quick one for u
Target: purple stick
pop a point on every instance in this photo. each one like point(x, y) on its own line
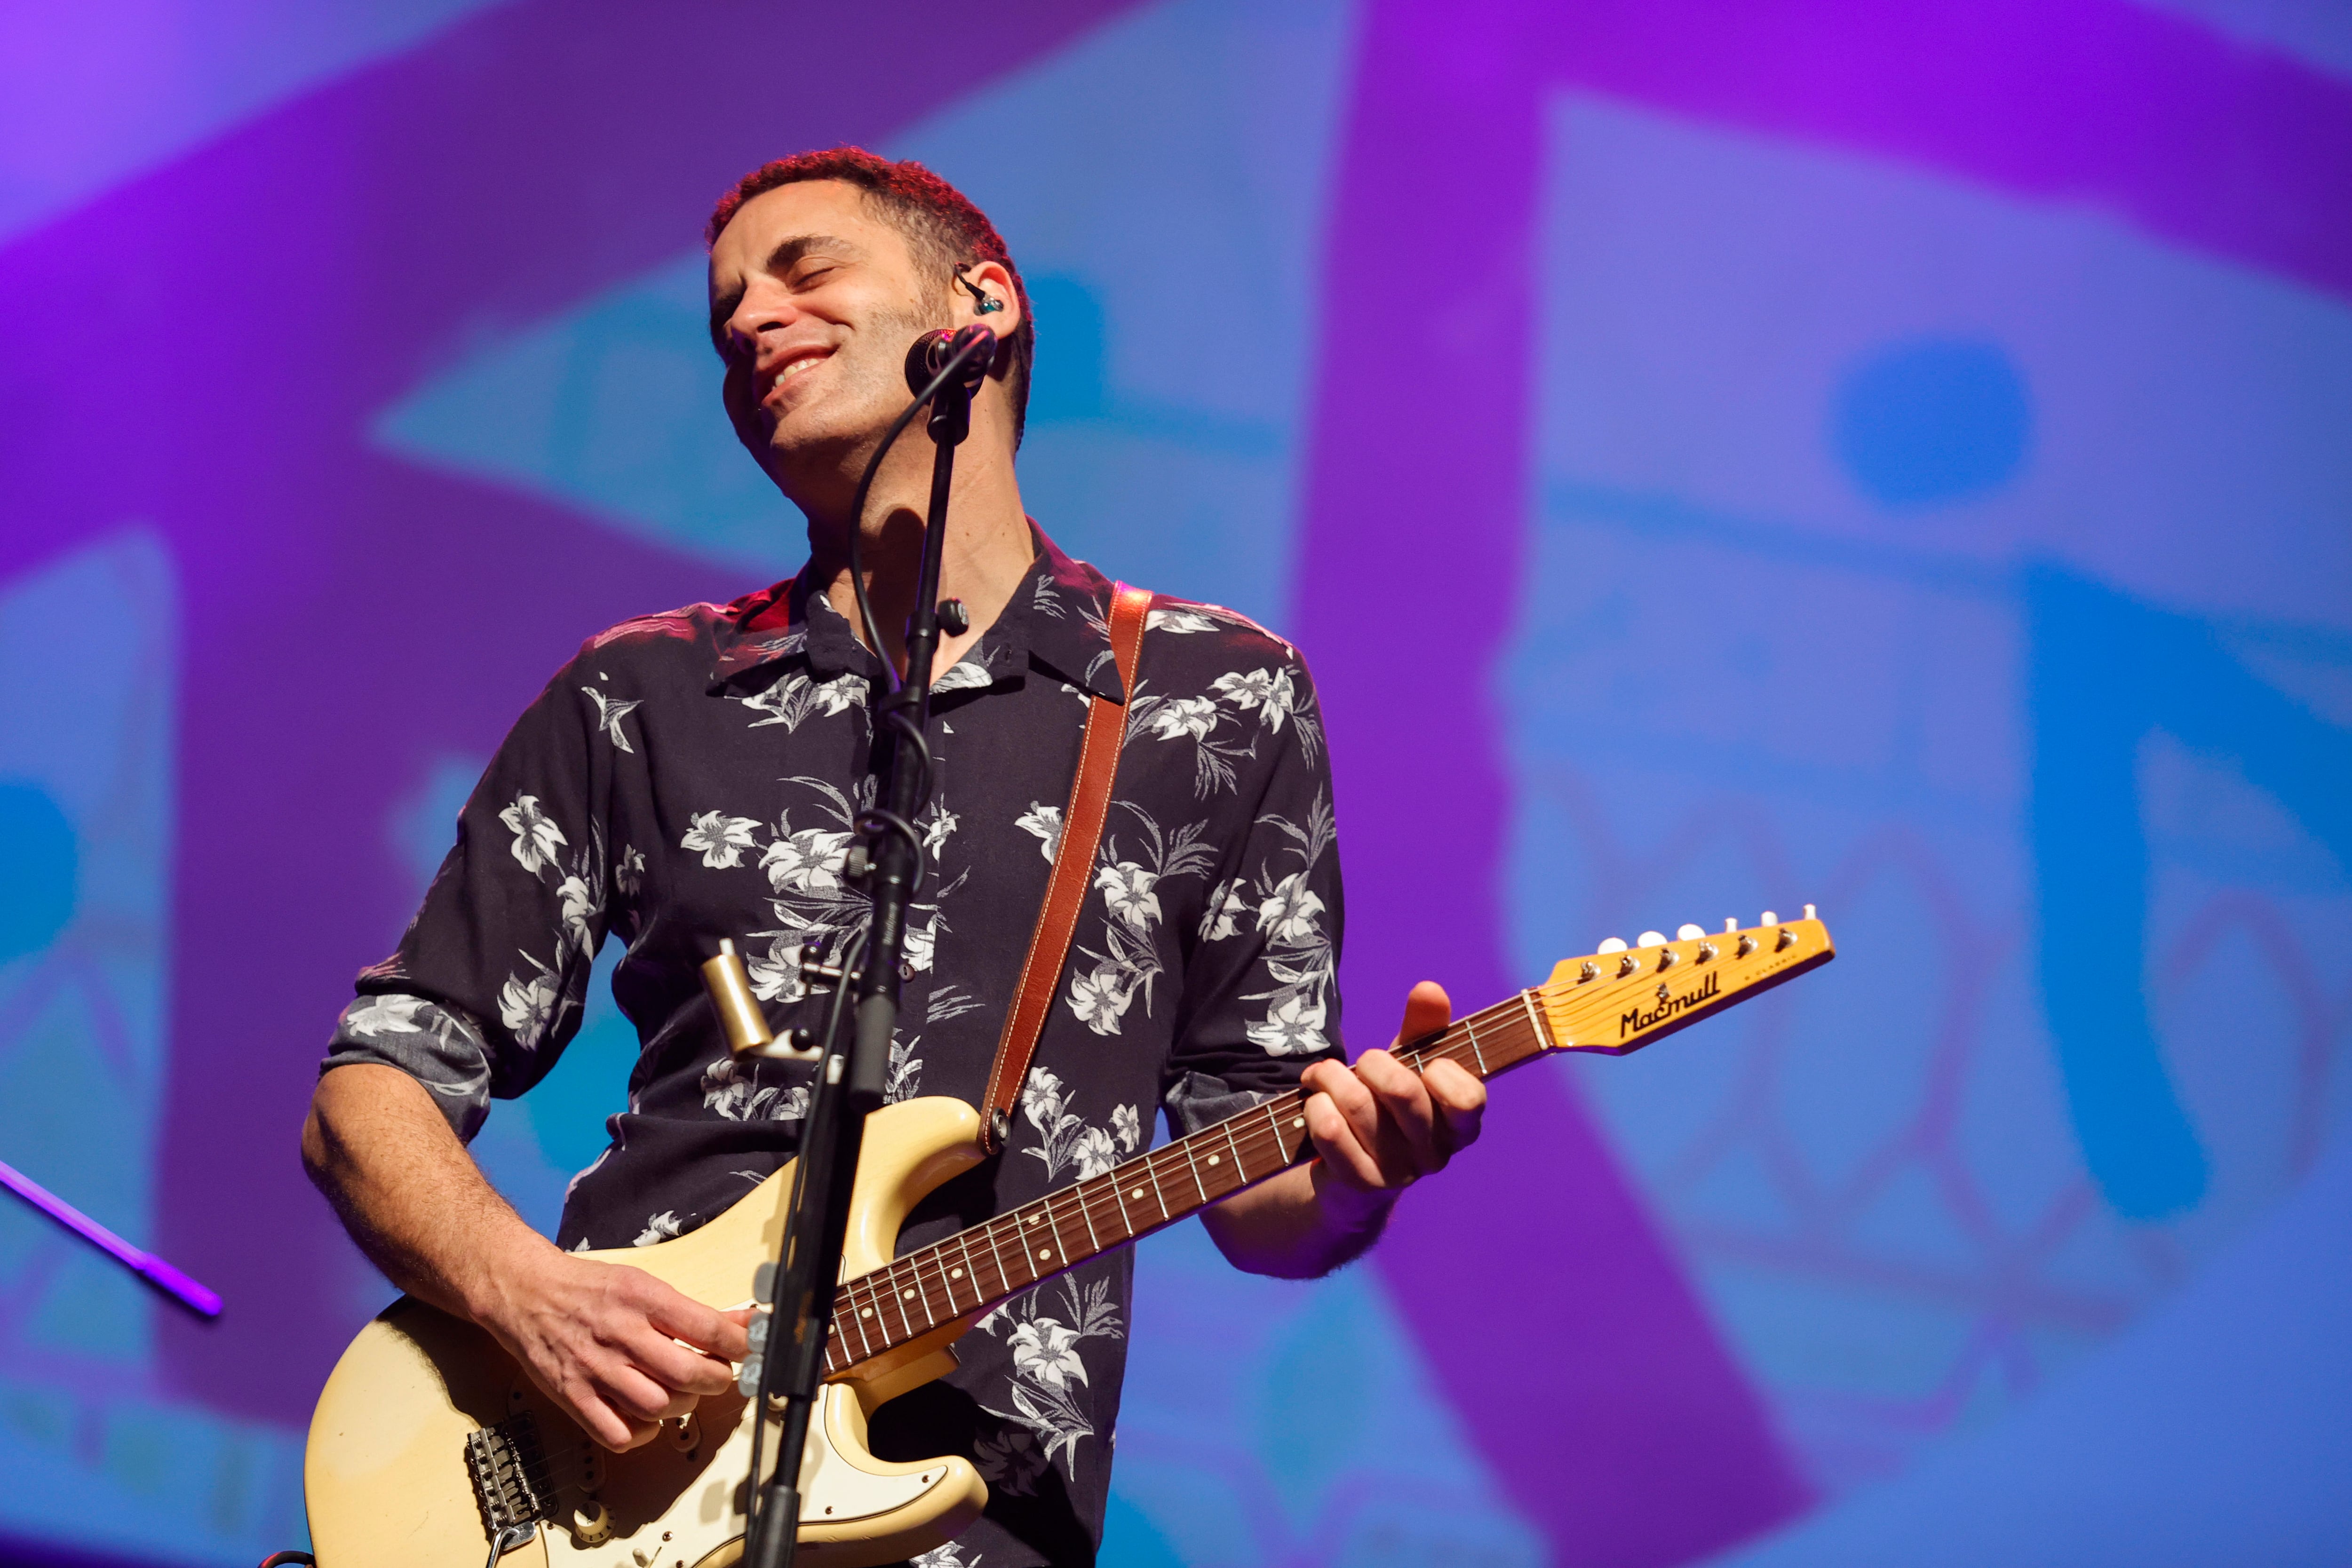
point(203, 1303)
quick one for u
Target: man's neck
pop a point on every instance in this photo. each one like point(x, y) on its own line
point(985, 554)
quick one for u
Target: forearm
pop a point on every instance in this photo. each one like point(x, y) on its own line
point(408, 1191)
point(1299, 1224)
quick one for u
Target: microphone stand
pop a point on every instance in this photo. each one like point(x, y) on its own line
point(851, 1083)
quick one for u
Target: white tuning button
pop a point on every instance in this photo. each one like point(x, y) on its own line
point(1729, 925)
point(591, 1525)
point(1689, 932)
point(1767, 919)
point(1615, 945)
point(1651, 939)
point(1809, 911)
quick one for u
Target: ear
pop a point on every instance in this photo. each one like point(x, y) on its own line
point(991, 278)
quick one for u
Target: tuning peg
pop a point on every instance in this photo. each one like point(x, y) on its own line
point(1686, 932)
point(1729, 925)
point(1809, 911)
point(1651, 939)
point(1615, 945)
point(1767, 919)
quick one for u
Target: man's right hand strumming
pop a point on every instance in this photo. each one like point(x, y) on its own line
point(618, 1348)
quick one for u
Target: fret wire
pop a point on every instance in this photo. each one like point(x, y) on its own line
point(1003, 1280)
point(939, 1264)
point(1016, 1228)
point(913, 1263)
point(970, 1270)
point(900, 1301)
point(1114, 1221)
point(1126, 1221)
point(1159, 1193)
point(1470, 1028)
point(1057, 1209)
point(1244, 1161)
point(1240, 1167)
point(865, 1342)
point(946, 1277)
point(906, 1276)
point(1194, 1165)
point(1297, 1111)
point(1094, 1240)
point(1052, 1226)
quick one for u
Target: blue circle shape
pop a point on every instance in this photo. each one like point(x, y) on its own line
point(38, 862)
point(1933, 420)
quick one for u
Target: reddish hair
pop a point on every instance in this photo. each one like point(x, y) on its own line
point(944, 233)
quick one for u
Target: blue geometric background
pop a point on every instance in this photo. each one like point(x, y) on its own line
point(1973, 558)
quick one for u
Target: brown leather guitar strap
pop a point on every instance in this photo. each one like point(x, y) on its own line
point(1066, 890)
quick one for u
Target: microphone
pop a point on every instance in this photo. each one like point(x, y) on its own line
point(932, 351)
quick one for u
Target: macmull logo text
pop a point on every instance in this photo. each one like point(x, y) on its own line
point(1641, 1019)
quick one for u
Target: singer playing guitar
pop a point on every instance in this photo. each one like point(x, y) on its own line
point(696, 773)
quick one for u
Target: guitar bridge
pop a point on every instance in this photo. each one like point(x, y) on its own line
point(509, 1475)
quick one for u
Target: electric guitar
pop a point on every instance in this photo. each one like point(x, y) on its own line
point(429, 1443)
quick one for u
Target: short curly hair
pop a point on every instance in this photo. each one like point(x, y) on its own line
point(943, 230)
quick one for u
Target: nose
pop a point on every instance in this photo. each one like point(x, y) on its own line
point(762, 309)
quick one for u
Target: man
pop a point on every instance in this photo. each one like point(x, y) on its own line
point(695, 775)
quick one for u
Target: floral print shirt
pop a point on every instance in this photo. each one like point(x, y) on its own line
point(697, 774)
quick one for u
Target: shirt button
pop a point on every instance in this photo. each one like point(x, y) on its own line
point(906, 970)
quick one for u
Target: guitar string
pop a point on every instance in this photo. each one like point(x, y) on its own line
point(1078, 1200)
point(1562, 1012)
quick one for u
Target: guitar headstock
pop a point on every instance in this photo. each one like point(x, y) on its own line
point(1621, 998)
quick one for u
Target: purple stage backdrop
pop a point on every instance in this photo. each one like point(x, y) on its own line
point(1714, 457)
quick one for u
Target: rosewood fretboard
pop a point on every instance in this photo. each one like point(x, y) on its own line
point(975, 1270)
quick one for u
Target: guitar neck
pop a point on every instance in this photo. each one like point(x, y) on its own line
point(1614, 1002)
point(977, 1268)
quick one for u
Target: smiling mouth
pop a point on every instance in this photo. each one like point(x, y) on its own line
point(793, 370)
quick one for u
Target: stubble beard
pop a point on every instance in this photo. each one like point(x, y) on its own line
point(831, 451)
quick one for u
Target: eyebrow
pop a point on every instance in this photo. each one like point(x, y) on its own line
point(781, 260)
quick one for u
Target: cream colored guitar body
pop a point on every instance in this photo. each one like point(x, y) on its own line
point(389, 1484)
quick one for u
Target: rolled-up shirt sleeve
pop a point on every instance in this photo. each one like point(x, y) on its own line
point(1261, 997)
point(487, 986)
point(437, 1046)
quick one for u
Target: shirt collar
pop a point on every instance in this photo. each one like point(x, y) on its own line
point(1064, 604)
point(1056, 617)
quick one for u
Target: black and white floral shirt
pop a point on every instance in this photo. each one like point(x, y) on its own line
point(695, 775)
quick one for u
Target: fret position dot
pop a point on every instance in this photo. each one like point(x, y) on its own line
point(1137, 1195)
point(1212, 1159)
point(1045, 1252)
point(865, 1312)
point(1298, 1122)
point(1034, 1218)
point(905, 1295)
point(955, 1273)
